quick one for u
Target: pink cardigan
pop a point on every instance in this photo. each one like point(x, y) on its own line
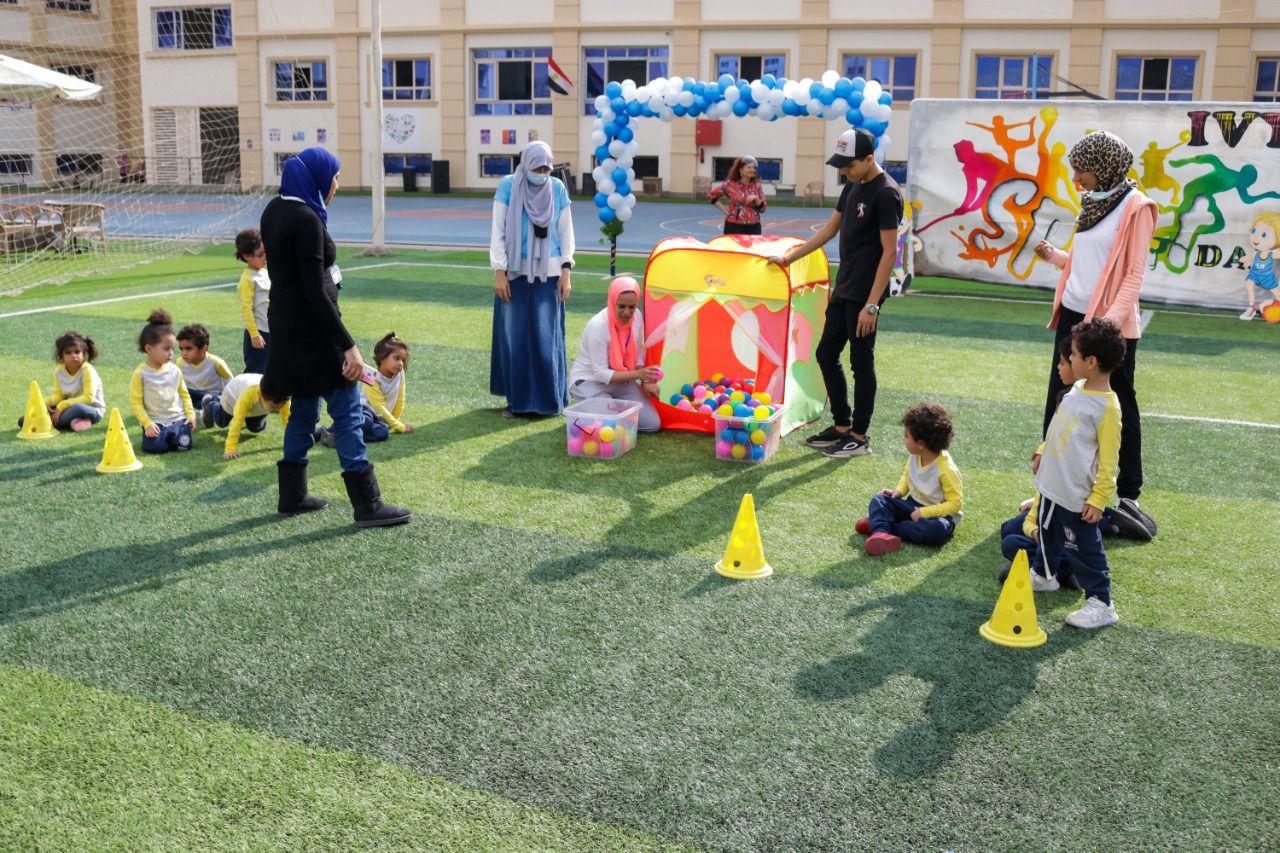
point(1116, 295)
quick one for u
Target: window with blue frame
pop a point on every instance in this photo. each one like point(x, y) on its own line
point(769, 170)
point(1266, 86)
point(16, 164)
point(511, 81)
point(280, 158)
point(302, 81)
point(496, 165)
point(1155, 78)
point(602, 65)
point(69, 5)
point(750, 66)
point(406, 79)
point(394, 164)
point(1013, 76)
point(895, 74)
point(78, 163)
point(192, 28)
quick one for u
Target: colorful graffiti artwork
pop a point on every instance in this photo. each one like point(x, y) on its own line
point(1000, 181)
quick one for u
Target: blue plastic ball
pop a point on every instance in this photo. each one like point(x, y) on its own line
point(741, 411)
point(613, 90)
point(757, 452)
point(686, 389)
point(676, 398)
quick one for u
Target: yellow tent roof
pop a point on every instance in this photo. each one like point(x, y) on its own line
point(726, 267)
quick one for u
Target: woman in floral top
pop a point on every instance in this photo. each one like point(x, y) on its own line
point(740, 198)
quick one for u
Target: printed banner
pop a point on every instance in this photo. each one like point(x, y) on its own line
point(990, 179)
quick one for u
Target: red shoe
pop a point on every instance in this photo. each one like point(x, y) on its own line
point(863, 526)
point(81, 424)
point(879, 544)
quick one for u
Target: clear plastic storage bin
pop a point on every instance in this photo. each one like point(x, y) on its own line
point(601, 428)
point(748, 439)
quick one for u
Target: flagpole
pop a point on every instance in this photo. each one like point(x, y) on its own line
point(377, 179)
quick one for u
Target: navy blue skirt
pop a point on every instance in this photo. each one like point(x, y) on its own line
point(529, 364)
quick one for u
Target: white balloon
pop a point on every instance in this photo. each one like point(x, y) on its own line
point(670, 98)
point(624, 215)
point(831, 114)
point(885, 141)
point(840, 106)
point(626, 160)
point(880, 155)
point(643, 95)
point(731, 95)
point(759, 92)
point(606, 186)
point(658, 85)
point(629, 200)
point(686, 99)
point(615, 200)
point(609, 165)
point(633, 148)
point(869, 107)
point(598, 174)
point(656, 103)
point(597, 138)
point(675, 85)
point(666, 114)
point(631, 175)
point(616, 147)
point(872, 91)
point(765, 111)
point(776, 97)
point(602, 103)
point(830, 78)
point(790, 88)
point(598, 123)
point(802, 96)
point(628, 89)
point(814, 108)
point(806, 83)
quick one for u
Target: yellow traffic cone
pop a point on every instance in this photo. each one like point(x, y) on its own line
point(36, 422)
point(1013, 622)
point(117, 452)
point(744, 557)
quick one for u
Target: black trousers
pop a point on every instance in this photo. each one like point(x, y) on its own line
point(1129, 478)
point(841, 328)
point(741, 227)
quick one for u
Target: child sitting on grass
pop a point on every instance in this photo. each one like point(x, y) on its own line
point(157, 391)
point(77, 402)
point(1076, 473)
point(254, 291)
point(203, 372)
point(384, 397)
point(925, 506)
point(242, 404)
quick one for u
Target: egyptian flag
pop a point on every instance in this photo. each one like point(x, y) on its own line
point(557, 79)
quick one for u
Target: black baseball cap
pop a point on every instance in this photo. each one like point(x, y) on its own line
point(853, 144)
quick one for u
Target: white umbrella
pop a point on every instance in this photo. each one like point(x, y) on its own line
point(20, 79)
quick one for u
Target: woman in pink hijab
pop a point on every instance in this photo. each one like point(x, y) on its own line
point(609, 355)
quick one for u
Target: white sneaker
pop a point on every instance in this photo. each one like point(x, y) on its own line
point(1249, 313)
point(1040, 583)
point(1094, 614)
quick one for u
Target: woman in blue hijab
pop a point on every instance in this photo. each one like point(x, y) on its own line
point(313, 357)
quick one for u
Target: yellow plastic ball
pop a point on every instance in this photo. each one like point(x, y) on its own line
point(726, 410)
point(759, 436)
point(606, 434)
point(763, 398)
point(762, 413)
point(739, 451)
point(716, 377)
point(590, 448)
point(737, 397)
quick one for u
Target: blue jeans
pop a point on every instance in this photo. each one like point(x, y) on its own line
point(74, 411)
point(344, 405)
point(222, 418)
point(1070, 545)
point(255, 360)
point(374, 428)
point(174, 436)
point(893, 515)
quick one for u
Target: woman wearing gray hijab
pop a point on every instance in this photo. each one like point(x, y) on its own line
point(531, 250)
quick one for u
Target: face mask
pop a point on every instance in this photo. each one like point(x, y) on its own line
point(535, 179)
point(1100, 195)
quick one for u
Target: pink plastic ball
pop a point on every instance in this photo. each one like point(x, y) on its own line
point(705, 409)
point(607, 450)
point(659, 370)
point(575, 445)
point(685, 406)
point(723, 449)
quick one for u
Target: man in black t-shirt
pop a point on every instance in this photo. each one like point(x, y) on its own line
point(866, 218)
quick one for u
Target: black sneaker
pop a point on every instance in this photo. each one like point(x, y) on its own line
point(206, 414)
point(826, 438)
point(1132, 522)
point(848, 446)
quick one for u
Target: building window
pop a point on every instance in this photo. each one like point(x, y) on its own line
point(69, 5)
point(605, 64)
point(1155, 78)
point(394, 164)
point(751, 66)
point(497, 165)
point(193, 28)
point(895, 74)
point(302, 81)
point(16, 164)
point(78, 163)
point(84, 72)
point(1023, 76)
point(770, 171)
point(512, 81)
point(280, 158)
point(406, 79)
point(1266, 86)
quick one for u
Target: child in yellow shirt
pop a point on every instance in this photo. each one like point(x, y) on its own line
point(77, 402)
point(384, 397)
point(204, 372)
point(254, 291)
point(157, 391)
point(243, 404)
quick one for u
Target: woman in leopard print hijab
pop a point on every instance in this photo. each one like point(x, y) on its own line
point(1107, 157)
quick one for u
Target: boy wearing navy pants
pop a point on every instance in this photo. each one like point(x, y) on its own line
point(1076, 475)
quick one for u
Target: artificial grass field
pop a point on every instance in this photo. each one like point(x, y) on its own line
point(544, 657)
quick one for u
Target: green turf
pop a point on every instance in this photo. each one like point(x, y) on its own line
point(548, 631)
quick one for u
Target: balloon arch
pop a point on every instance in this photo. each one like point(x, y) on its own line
point(859, 102)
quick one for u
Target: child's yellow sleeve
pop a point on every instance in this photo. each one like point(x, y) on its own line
point(246, 402)
point(188, 409)
point(87, 390)
point(1032, 521)
point(952, 490)
point(1104, 487)
point(904, 485)
point(135, 399)
point(378, 402)
point(221, 366)
point(285, 411)
point(398, 409)
point(55, 398)
point(245, 290)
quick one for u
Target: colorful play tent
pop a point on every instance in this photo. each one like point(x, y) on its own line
point(723, 307)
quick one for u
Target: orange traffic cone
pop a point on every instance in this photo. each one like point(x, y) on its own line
point(744, 556)
point(117, 452)
point(36, 422)
point(1013, 622)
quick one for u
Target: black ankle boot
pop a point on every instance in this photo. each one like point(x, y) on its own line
point(294, 499)
point(366, 500)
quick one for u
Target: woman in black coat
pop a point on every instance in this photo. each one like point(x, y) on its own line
point(312, 354)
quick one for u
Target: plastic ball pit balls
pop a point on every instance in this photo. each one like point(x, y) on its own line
point(759, 436)
point(737, 397)
point(757, 453)
point(590, 448)
point(575, 445)
point(684, 405)
point(607, 434)
point(723, 448)
point(606, 450)
point(762, 413)
point(675, 399)
point(659, 371)
point(686, 390)
point(705, 409)
point(763, 398)
point(738, 451)
point(741, 411)
point(574, 431)
point(726, 410)
point(716, 377)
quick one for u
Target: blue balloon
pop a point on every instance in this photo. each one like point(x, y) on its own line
point(621, 120)
point(610, 130)
point(886, 99)
point(769, 80)
point(700, 103)
point(827, 97)
point(606, 214)
point(694, 110)
point(726, 80)
point(613, 90)
point(699, 89)
point(624, 188)
point(602, 154)
point(713, 93)
point(688, 84)
point(741, 108)
point(626, 134)
point(859, 83)
point(619, 175)
point(876, 128)
point(790, 107)
point(634, 108)
point(844, 88)
point(601, 200)
point(854, 117)
point(815, 89)
point(680, 110)
point(618, 105)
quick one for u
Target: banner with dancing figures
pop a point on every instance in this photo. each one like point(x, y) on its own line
point(989, 180)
